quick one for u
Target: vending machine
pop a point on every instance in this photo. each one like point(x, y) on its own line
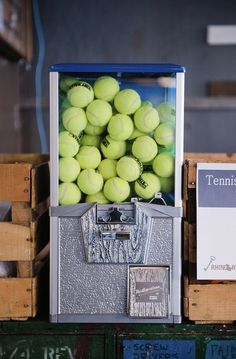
point(116, 172)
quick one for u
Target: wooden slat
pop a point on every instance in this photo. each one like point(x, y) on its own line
point(212, 302)
point(23, 213)
point(25, 269)
point(40, 184)
point(35, 296)
point(15, 182)
point(16, 297)
point(24, 177)
point(30, 158)
point(15, 242)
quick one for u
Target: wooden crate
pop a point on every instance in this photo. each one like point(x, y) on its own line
point(24, 181)
point(204, 301)
point(189, 178)
point(19, 297)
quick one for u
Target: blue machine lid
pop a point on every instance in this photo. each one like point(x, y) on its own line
point(145, 68)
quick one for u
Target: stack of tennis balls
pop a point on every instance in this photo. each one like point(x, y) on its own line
point(112, 146)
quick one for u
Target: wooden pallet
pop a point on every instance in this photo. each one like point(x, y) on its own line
point(24, 181)
point(204, 301)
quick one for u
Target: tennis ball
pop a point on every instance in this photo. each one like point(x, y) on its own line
point(90, 181)
point(120, 127)
point(67, 82)
point(88, 157)
point(68, 144)
point(107, 168)
point(164, 134)
point(127, 101)
point(74, 120)
point(105, 88)
point(167, 184)
point(163, 164)
point(116, 189)
point(129, 168)
point(146, 119)
point(166, 112)
point(146, 103)
point(113, 149)
point(136, 133)
point(69, 193)
point(147, 185)
point(64, 104)
point(88, 140)
point(144, 148)
point(99, 112)
point(69, 169)
point(97, 197)
point(80, 94)
point(94, 130)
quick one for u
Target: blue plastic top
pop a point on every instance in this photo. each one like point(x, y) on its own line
point(144, 68)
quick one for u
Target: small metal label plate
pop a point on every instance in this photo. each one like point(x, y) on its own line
point(158, 349)
point(149, 291)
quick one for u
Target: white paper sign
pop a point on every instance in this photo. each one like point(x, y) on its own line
point(216, 221)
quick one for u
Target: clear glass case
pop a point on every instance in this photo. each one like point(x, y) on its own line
point(117, 133)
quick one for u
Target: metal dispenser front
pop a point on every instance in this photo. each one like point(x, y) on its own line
point(118, 262)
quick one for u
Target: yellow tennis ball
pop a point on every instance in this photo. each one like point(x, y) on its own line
point(146, 119)
point(99, 112)
point(105, 88)
point(74, 120)
point(113, 149)
point(67, 82)
point(164, 134)
point(116, 189)
point(69, 169)
point(80, 94)
point(167, 184)
point(144, 148)
point(166, 112)
point(98, 197)
point(147, 185)
point(69, 193)
point(127, 101)
point(136, 133)
point(88, 157)
point(94, 130)
point(87, 140)
point(120, 127)
point(163, 164)
point(107, 168)
point(129, 168)
point(68, 144)
point(90, 181)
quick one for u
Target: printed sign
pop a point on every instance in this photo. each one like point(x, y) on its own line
point(221, 349)
point(158, 349)
point(216, 224)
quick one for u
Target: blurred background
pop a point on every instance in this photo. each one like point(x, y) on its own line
point(37, 34)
